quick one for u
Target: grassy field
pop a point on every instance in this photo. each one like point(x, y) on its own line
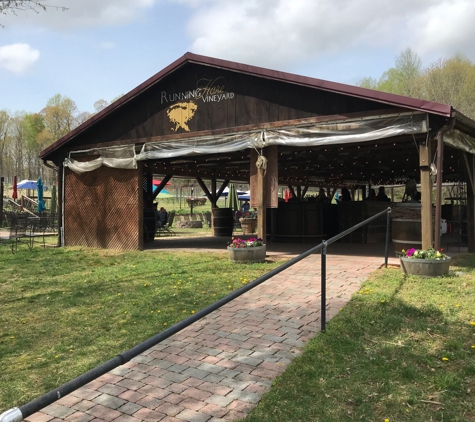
point(403, 349)
point(65, 311)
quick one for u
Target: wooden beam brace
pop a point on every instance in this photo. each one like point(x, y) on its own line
point(208, 194)
point(291, 189)
point(162, 184)
point(221, 189)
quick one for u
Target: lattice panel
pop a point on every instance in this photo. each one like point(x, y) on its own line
point(102, 209)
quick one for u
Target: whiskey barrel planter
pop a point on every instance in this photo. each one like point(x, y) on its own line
point(223, 222)
point(247, 255)
point(248, 225)
point(425, 267)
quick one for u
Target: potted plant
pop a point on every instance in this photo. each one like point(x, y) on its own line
point(427, 263)
point(248, 222)
point(247, 250)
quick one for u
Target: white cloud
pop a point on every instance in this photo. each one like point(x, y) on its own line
point(445, 28)
point(281, 33)
point(17, 58)
point(83, 13)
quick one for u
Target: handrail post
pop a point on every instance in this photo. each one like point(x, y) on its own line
point(386, 247)
point(323, 288)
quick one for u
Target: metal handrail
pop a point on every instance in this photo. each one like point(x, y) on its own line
point(18, 414)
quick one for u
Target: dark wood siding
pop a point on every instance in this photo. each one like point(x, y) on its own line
point(251, 100)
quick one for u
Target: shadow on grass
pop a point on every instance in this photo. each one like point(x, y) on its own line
point(388, 354)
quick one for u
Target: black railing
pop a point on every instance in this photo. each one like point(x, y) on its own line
point(18, 414)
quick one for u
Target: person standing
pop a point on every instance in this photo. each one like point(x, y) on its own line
point(381, 196)
point(162, 217)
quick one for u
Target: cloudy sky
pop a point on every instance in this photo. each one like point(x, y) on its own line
point(99, 49)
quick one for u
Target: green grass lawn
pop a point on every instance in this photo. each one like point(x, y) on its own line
point(67, 310)
point(403, 349)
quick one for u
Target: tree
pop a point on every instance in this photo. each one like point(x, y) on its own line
point(403, 79)
point(13, 6)
point(18, 149)
point(4, 137)
point(60, 117)
point(100, 105)
point(448, 81)
point(408, 72)
point(33, 125)
point(452, 81)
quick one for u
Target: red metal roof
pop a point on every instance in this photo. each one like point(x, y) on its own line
point(364, 93)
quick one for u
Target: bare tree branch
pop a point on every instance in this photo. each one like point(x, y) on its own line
point(13, 6)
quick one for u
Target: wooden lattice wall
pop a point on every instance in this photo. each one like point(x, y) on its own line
point(102, 209)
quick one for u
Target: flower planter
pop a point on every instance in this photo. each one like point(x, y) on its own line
point(425, 267)
point(248, 225)
point(243, 255)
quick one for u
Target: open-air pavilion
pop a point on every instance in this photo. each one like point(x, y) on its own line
point(218, 121)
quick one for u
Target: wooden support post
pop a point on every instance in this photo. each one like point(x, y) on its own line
point(261, 204)
point(470, 172)
point(426, 195)
point(440, 178)
point(213, 202)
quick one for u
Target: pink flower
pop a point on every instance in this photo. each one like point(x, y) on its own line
point(410, 252)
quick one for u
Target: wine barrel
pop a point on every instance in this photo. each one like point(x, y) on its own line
point(406, 234)
point(223, 221)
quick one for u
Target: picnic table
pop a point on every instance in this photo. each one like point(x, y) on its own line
point(27, 230)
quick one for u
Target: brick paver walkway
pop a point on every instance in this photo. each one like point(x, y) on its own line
point(218, 368)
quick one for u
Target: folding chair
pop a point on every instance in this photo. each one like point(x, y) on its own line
point(207, 216)
point(167, 227)
point(166, 230)
point(17, 231)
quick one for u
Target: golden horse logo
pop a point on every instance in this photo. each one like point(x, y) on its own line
point(180, 114)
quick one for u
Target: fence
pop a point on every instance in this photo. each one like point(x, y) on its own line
point(18, 414)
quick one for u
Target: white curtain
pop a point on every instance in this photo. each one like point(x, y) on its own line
point(117, 157)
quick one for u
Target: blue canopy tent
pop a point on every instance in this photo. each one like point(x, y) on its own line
point(225, 192)
point(27, 184)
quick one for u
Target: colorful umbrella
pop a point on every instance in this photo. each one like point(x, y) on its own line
point(156, 182)
point(41, 202)
point(162, 191)
point(53, 200)
point(233, 197)
point(15, 188)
